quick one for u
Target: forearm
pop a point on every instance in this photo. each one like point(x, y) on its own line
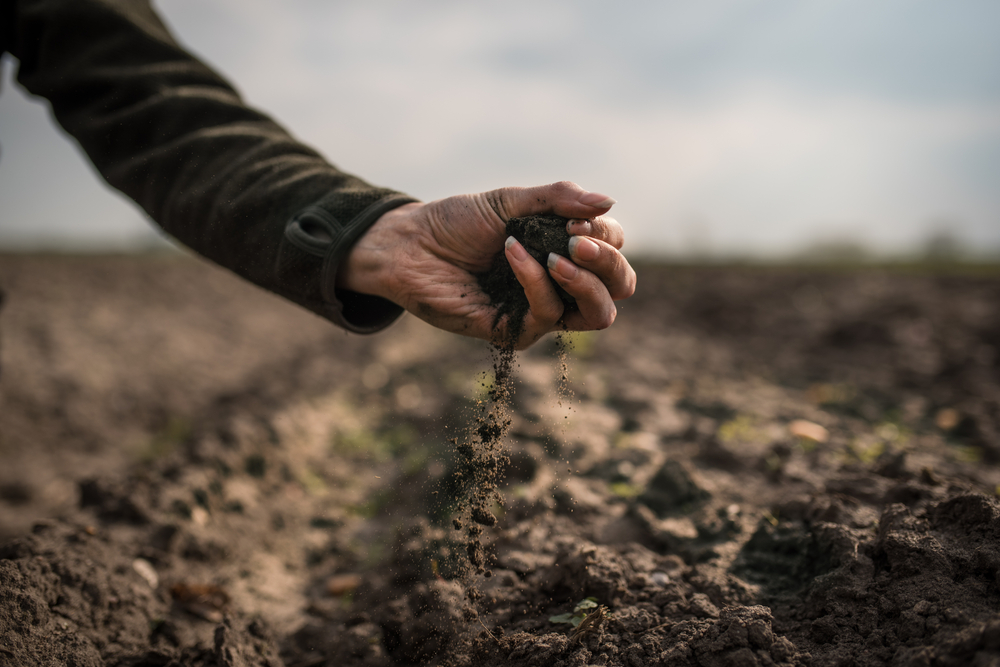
point(173, 135)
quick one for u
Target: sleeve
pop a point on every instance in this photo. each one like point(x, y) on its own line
point(173, 135)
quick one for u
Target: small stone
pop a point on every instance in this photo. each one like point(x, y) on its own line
point(947, 418)
point(342, 584)
point(199, 516)
point(808, 430)
point(146, 570)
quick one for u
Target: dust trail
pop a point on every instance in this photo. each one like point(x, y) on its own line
point(483, 455)
point(564, 392)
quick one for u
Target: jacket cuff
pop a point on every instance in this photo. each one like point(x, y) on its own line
point(318, 233)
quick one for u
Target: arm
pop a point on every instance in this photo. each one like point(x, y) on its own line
point(230, 183)
point(174, 136)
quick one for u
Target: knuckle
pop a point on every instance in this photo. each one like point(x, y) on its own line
point(627, 288)
point(611, 232)
point(616, 269)
point(527, 339)
point(563, 187)
point(549, 313)
point(494, 199)
point(614, 236)
point(499, 200)
point(607, 319)
point(597, 229)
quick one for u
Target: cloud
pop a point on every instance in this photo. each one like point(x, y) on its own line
point(759, 125)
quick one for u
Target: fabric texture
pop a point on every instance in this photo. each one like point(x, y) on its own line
point(217, 175)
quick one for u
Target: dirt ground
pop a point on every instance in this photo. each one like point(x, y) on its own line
point(753, 466)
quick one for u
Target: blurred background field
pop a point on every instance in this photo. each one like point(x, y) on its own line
point(843, 131)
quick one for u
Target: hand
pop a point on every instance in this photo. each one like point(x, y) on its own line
point(424, 257)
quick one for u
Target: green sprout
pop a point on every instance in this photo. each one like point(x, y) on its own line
point(626, 490)
point(742, 429)
point(580, 612)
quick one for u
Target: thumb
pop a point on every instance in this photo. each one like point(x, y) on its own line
point(563, 198)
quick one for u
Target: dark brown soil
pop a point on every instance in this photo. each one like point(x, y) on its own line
point(196, 473)
point(540, 235)
point(481, 458)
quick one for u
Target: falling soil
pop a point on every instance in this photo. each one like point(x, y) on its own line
point(481, 459)
point(230, 501)
point(482, 456)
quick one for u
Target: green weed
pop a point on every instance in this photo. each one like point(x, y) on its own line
point(166, 440)
point(741, 429)
point(626, 490)
point(580, 611)
point(364, 444)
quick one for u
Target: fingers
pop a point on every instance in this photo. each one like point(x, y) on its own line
point(602, 227)
point(596, 307)
point(604, 261)
point(598, 276)
point(544, 305)
point(563, 198)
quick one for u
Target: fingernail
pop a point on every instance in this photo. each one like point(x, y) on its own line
point(581, 227)
point(564, 268)
point(516, 249)
point(597, 200)
point(583, 248)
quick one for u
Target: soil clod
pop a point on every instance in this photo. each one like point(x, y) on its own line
point(540, 235)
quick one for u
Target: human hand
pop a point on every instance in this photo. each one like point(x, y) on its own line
point(425, 258)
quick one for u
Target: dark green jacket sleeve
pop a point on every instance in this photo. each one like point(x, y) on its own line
point(174, 136)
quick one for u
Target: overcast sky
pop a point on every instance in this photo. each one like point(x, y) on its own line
point(741, 126)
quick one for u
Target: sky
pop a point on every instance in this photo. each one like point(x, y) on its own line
point(734, 128)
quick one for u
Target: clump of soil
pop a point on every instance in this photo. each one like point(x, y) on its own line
point(540, 235)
